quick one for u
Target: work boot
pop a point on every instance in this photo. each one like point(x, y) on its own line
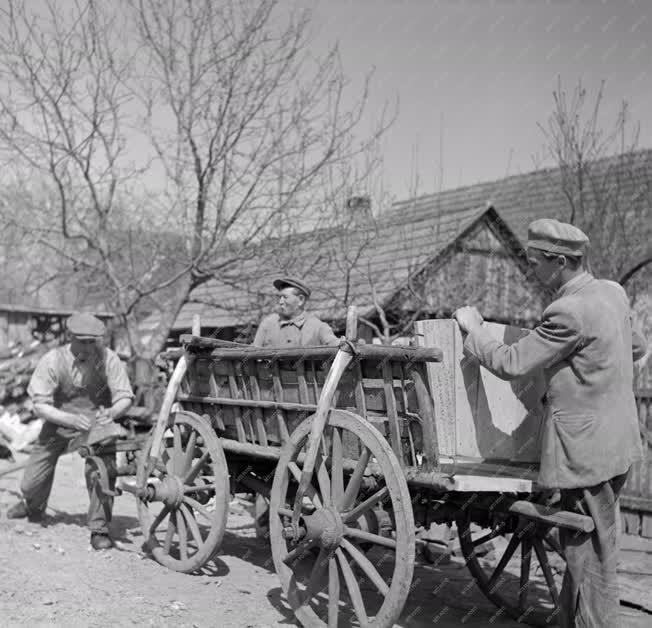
point(19, 511)
point(101, 541)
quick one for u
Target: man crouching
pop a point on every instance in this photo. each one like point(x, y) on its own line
point(83, 368)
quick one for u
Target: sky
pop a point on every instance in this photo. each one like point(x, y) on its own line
point(474, 78)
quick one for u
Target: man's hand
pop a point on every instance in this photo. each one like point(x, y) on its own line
point(79, 422)
point(468, 318)
point(103, 417)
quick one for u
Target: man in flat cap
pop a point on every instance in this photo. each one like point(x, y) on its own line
point(585, 347)
point(292, 326)
point(82, 369)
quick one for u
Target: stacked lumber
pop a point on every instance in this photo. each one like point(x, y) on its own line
point(19, 427)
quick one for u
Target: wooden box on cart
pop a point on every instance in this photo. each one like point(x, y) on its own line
point(478, 415)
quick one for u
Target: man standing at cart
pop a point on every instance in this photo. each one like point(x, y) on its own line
point(292, 326)
point(586, 347)
point(84, 368)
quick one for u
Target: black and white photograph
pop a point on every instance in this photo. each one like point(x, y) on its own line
point(325, 313)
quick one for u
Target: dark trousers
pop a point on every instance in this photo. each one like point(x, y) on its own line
point(37, 481)
point(590, 596)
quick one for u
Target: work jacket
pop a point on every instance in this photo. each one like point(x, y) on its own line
point(585, 347)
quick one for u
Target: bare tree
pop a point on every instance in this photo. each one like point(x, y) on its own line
point(190, 130)
point(605, 179)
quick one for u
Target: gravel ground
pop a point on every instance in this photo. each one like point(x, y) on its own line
point(51, 577)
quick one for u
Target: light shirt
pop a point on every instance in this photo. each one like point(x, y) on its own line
point(305, 330)
point(59, 377)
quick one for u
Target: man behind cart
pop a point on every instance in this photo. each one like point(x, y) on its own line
point(586, 348)
point(292, 325)
point(64, 377)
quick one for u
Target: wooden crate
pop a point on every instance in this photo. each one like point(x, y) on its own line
point(478, 415)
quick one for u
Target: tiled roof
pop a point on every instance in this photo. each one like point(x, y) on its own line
point(404, 238)
point(343, 267)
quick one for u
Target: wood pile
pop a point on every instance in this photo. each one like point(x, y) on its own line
point(19, 427)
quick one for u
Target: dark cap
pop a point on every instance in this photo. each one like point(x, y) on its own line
point(85, 325)
point(553, 236)
point(285, 282)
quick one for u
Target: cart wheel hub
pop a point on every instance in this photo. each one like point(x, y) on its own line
point(325, 527)
point(169, 491)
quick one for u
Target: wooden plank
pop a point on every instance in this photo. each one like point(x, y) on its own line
point(252, 372)
point(247, 413)
point(235, 394)
point(442, 381)
point(301, 380)
point(631, 523)
point(251, 403)
point(277, 388)
point(418, 375)
point(646, 525)
point(478, 414)
point(216, 410)
point(360, 400)
point(392, 413)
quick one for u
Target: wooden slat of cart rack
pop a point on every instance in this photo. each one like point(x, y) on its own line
point(235, 394)
point(252, 372)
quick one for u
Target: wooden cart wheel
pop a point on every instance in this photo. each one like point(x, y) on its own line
point(183, 516)
point(340, 584)
point(523, 577)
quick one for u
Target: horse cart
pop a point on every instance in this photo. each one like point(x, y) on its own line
point(342, 442)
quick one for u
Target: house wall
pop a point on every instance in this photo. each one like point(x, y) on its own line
point(478, 270)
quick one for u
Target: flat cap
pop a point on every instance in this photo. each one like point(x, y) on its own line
point(83, 325)
point(285, 282)
point(548, 234)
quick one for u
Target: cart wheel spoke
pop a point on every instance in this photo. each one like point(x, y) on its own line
point(299, 552)
point(311, 494)
point(169, 534)
point(366, 565)
point(526, 559)
point(315, 584)
point(177, 451)
point(204, 512)
point(355, 482)
point(487, 537)
point(183, 536)
point(190, 452)
point(191, 522)
point(333, 592)
point(196, 468)
point(159, 519)
point(368, 537)
point(323, 480)
point(352, 586)
point(509, 552)
point(199, 488)
point(547, 572)
point(366, 505)
point(337, 473)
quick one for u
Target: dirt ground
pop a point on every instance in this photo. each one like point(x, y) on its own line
point(50, 576)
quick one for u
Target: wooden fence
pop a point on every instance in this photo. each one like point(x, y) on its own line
point(636, 500)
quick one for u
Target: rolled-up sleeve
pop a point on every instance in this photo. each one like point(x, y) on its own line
point(549, 343)
point(117, 379)
point(44, 381)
